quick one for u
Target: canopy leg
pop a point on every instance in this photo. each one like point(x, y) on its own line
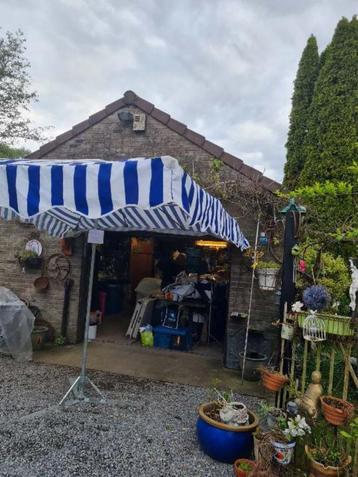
point(250, 301)
point(78, 386)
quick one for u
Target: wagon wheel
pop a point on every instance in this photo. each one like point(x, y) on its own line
point(58, 267)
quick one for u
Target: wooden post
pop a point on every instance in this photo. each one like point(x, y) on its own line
point(347, 354)
point(351, 370)
point(331, 370)
point(304, 370)
point(293, 362)
point(318, 357)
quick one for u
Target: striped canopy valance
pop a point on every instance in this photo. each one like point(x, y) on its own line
point(64, 197)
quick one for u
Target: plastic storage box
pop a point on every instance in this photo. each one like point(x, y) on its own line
point(170, 338)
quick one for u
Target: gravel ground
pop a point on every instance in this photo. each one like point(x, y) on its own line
point(145, 429)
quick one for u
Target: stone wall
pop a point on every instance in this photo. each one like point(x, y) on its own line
point(110, 140)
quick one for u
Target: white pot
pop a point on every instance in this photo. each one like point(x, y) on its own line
point(234, 413)
point(267, 278)
point(92, 332)
point(283, 451)
point(287, 332)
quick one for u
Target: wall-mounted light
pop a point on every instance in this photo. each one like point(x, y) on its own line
point(211, 244)
point(125, 116)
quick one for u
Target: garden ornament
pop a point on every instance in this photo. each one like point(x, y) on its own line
point(315, 298)
point(297, 306)
point(234, 413)
point(314, 328)
point(309, 403)
point(353, 289)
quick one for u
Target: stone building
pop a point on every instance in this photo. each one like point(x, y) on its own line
point(109, 134)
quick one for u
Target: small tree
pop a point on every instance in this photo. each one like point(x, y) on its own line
point(11, 152)
point(331, 143)
point(15, 93)
point(301, 101)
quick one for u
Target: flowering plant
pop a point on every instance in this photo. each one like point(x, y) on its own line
point(293, 427)
point(297, 306)
point(316, 297)
point(296, 427)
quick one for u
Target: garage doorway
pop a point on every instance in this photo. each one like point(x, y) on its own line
point(131, 267)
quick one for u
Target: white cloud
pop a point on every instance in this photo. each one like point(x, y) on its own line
point(224, 67)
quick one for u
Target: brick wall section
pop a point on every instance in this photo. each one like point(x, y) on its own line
point(50, 302)
point(110, 140)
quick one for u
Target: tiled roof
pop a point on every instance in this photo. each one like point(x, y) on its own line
point(130, 98)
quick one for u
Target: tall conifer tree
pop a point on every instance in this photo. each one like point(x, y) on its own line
point(331, 143)
point(301, 100)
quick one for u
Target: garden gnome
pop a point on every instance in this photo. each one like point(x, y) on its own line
point(310, 400)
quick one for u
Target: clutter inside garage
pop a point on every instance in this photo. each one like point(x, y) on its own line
point(163, 291)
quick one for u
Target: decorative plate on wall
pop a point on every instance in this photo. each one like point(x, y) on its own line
point(34, 246)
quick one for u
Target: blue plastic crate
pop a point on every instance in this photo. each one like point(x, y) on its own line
point(171, 338)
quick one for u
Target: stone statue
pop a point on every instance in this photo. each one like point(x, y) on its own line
point(310, 400)
point(354, 285)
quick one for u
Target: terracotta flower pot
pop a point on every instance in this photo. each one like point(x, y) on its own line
point(273, 381)
point(336, 411)
point(243, 473)
point(319, 470)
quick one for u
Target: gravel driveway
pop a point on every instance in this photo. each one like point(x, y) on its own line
point(146, 428)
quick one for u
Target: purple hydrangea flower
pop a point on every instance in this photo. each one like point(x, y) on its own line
point(316, 297)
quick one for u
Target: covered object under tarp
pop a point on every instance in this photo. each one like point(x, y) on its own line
point(16, 324)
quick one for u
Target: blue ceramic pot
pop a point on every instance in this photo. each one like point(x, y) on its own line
point(224, 442)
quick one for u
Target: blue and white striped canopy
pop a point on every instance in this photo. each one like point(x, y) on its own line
point(64, 197)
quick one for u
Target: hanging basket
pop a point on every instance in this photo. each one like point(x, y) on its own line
point(267, 278)
point(314, 328)
point(272, 380)
point(336, 411)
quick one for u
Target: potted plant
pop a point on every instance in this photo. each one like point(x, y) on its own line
point(267, 273)
point(336, 411)
point(288, 329)
point(269, 414)
point(273, 380)
point(326, 451)
point(222, 441)
point(29, 260)
point(284, 435)
point(244, 467)
point(327, 461)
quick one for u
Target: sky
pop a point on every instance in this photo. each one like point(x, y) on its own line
point(223, 67)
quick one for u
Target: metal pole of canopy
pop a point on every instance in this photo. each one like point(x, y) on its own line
point(79, 384)
point(250, 302)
